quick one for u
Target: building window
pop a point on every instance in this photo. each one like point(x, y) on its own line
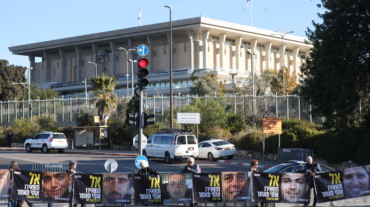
point(260, 48)
point(215, 40)
point(246, 45)
point(274, 50)
point(288, 52)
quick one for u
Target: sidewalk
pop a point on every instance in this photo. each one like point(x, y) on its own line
point(235, 161)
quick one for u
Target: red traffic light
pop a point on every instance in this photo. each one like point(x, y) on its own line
point(142, 63)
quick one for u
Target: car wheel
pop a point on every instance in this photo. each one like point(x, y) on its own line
point(45, 149)
point(144, 153)
point(60, 150)
point(210, 157)
point(230, 157)
point(167, 158)
point(28, 148)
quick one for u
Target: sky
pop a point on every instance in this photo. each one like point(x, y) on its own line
point(32, 21)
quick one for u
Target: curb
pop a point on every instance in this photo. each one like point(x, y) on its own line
point(241, 163)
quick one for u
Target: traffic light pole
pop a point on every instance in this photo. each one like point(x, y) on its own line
point(141, 122)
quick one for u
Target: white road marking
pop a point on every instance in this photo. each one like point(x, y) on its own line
point(24, 159)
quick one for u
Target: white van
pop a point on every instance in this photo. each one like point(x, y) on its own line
point(171, 144)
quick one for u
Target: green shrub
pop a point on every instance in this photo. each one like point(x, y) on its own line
point(251, 141)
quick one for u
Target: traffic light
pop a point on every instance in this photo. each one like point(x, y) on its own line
point(133, 118)
point(142, 73)
point(146, 121)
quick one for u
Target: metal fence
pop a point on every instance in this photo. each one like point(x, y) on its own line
point(287, 107)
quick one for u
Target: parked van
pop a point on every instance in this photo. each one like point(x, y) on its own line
point(171, 144)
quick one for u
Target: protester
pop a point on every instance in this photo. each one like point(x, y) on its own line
point(356, 181)
point(115, 189)
point(254, 168)
point(176, 188)
point(191, 167)
point(9, 137)
point(14, 203)
point(294, 188)
point(145, 169)
point(235, 186)
point(312, 168)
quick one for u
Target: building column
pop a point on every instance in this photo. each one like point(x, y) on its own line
point(31, 58)
point(253, 50)
point(191, 49)
point(205, 47)
point(78, 64)
point(222, 50)
point(113, 58)
point(295, 59)
point(47, 66)
point(268, 46)
point(238, 43)
point(150, 54)
point(63, 65)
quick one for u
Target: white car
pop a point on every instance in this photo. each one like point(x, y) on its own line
point(46, 141)
point(216, 148)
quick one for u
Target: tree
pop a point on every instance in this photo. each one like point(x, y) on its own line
point(104, 95)
point(336, 74)
point(10, 74)
point(290, 82)
point(36, 92)
point(209, 85)
point(262, 84)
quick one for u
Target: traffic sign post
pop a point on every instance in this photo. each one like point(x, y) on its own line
point(142, 50)
point(137, 160)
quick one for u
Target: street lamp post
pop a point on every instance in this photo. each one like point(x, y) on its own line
point(171, 95)
point(29, 91)
point(96, 67)
point(282, 34)
point(127, 75)
point(132, 74)
point(253, 88)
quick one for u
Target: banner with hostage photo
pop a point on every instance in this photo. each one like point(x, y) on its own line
point(356, 181)
point(147, 189)
point(117, 188)
point(56, 187)
point(266, 187)
point(5, 184)
point(177, 188)
point(207, 187)
point(329, 186)
point(295, 187)
point(236, 186)
point(26, 185)
point(88, 188)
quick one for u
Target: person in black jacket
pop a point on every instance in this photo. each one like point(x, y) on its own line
point(9, 137)
point(145, 169)
point(311, 167)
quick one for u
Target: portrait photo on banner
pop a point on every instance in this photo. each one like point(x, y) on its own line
point(56, 187)
point(295, 187)
point(236, 186)
point(5, 183)
point(356, 181)
point(117, 188)
point(177, 188)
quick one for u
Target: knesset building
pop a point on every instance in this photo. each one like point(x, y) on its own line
point(199, 44)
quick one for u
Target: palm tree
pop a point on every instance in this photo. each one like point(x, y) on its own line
point(104, 94)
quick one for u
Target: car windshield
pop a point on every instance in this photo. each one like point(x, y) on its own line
point(59, 136)
point(218, 143)
point(275, 169)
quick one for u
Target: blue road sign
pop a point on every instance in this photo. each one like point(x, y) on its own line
point(142, 50)
point(141, 157)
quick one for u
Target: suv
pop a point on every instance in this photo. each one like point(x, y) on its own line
point(171, 144)
point(46, 141)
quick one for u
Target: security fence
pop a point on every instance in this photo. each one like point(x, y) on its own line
point(286, 107)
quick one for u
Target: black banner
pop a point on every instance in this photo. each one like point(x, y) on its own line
point(26, 185)
point(88, 188)
point(117, 188)
point(329, 186)
point(147, 189)
point(295, 187)
point(236, 186)
point(207, 187)
point(177, 188)
point(5, 183)
point(266, 187)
